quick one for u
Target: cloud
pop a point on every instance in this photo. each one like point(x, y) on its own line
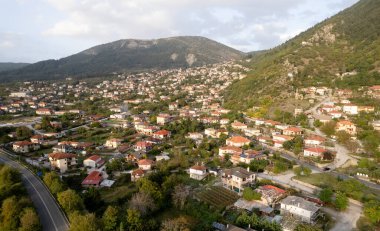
point(8, 40)
point(6, 44)
point(63, 27)
point(246, 24)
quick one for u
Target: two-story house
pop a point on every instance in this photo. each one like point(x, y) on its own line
point(305, 210)
point(198, 172)
point(236, 179)
point(62, 161)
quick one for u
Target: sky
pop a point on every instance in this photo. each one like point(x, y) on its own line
point(35, 30)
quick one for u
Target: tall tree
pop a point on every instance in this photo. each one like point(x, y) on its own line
point(180, 194)
point(177, 224)
point(29, 221)
point(23, 133)
point(142, 202)
point(70, 201)
point(79, 222)
point(10, 211)
point(134, 220)
point(110, 218)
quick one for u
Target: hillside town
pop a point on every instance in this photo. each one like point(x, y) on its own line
point(118, 138)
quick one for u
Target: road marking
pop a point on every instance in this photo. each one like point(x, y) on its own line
point(48, 210)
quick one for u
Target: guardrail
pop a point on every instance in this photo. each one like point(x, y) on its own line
point(14, 157)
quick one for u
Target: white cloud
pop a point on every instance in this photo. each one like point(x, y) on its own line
point(6, 44)
point(62, 27)
point(260, 23)
point(218, 19)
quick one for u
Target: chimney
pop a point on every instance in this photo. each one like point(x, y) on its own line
point(248, 169)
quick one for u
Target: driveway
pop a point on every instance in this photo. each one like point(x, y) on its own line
point(345, 221)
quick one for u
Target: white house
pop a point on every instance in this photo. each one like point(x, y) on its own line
point(195, 136)
point(347, 126)
point(237, 141)
point(314, 140)
point(238, 125)
point(230, 150)
point(62, 161)
point(163, 119)
point(252, 132)
point(198, 172)
point(25, 146)
point(350, 109)
point(314, 152)
point(113, 143)
point(145, 164)
point(94, 161)
point(236, 179)
point(307, 211)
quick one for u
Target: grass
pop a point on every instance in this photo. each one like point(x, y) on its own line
point(117, 194)
point(218, 197)
point(352, 187)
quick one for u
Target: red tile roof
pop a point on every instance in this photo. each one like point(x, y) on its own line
point(238, 124)
point(94, 178)
point(271, 187)
point(94, 158)
point(199, 167)
point(22, 143)
point(145, 162)
point(238, 139)
point(345, 122)
point(37, 137)
point(162, 132)
point(143, 144)
point(138, 172)
point(294, 129)
point(61, 155)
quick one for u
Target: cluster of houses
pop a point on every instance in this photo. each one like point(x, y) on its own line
point(300, 209)
point(200, 97)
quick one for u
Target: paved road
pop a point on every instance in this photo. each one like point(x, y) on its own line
point(52, 218)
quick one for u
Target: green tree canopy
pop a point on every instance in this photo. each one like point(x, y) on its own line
point(70, 201)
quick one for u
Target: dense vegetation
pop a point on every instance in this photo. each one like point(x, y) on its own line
point(347, 42)
point(12, 66)
point(16, 212)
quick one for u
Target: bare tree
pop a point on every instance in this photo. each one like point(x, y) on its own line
point(177, 224)
point(179, 195)
point(142, 202)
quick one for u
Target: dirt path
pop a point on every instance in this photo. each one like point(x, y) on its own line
point(345, 221)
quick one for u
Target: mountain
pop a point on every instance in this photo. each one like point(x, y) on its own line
point(342, 51)
point(11, 66)
point(129, 55)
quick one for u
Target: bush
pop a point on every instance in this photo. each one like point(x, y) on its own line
point(249, 194)
point(341, 201)
point(325, 195)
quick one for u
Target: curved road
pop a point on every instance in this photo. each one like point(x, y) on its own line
point(51, 217)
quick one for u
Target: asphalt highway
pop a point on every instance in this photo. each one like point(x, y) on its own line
point(51, 216)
